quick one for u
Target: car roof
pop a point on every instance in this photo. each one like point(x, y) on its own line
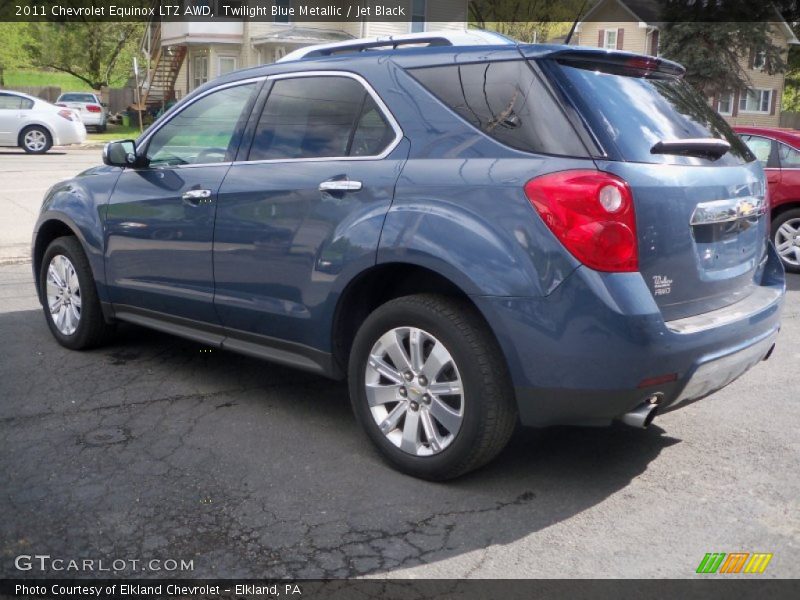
point(24, 95)
point(789, 136)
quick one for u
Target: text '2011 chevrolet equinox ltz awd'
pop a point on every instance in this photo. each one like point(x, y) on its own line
point(473, 236)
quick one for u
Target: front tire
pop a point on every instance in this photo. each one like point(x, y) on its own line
point(430, 386)
point(69, 296)
point(35, 140)
point(786, 237)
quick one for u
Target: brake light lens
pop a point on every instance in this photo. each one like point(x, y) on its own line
point(93, 108)
point(592, 215)
point(68, 115)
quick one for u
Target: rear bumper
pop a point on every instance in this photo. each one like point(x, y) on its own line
point(581, 355)
point(69, 132)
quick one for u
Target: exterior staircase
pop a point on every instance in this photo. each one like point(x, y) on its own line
point(158, 86)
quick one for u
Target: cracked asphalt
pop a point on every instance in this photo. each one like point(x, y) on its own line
point(155, 448)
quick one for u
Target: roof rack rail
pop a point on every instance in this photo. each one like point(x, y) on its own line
point(469, 37)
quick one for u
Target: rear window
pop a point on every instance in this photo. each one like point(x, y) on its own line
point(506, 101)
point(77, 98)
point(634, 109)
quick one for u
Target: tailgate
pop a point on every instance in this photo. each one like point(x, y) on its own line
point(701, 216)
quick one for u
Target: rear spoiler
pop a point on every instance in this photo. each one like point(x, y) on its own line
point(616, 61)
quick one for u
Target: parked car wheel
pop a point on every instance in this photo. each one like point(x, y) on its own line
point(36, 140)
point(69, 295)
point(786, 236)
point(429, 385)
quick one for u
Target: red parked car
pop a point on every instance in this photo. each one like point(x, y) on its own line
point(779, 151)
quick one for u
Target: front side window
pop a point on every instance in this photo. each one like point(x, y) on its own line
point(204, 132)
point(418, 15)
point(507, 102)
point(12, 102)
point(319, 117)
point(755, 101)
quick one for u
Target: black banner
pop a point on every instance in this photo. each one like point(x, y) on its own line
point(398, 589)
point(472, 11)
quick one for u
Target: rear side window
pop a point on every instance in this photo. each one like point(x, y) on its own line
point(9, 101)
point(506, 101)
point(320, 117)
point(634, 109)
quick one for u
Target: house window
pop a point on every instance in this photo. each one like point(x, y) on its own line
point(418, 15)
point(227, 64)
point(283, 11)
point(610, 39)
point(760, 60)
point(755, 101)
point(725, 104)
point(199, 70)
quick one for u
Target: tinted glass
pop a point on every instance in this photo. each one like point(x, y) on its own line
point(77, 98)
point(312, 117)
point(12, 102)
point(506, 101)
point(204, 132)
point(373, 134)
point(789, 157)
point(635, 109)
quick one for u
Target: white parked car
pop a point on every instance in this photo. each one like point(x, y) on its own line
point(92, 111)
point(35, 125)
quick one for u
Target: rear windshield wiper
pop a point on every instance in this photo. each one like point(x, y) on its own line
point(712, 148)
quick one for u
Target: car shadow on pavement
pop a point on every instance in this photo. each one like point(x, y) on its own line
point(156, 447)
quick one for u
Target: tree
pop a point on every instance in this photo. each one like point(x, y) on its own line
point(98, 53)
point(525, 20)
point(716, 55)
point(13, 53)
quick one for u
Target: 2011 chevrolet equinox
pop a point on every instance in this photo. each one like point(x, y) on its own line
point(473, 236)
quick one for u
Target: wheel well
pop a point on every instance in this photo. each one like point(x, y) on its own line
point(376, 287)
point(779, 210)
point(24, 129)
point(48, 231)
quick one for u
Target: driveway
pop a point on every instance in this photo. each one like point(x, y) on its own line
point(155, 447)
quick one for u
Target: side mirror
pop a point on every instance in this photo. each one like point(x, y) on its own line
point(120, 154)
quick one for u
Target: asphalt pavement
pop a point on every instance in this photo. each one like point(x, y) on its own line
point(157, 448)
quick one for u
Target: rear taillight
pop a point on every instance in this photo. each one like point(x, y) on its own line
point(93, 108)
point(67, 114)
point(592, 214)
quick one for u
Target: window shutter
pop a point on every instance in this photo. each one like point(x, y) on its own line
point(735, 108)
point(654, 43)
point(620, 36)
point(774, 101)
point(601, 38)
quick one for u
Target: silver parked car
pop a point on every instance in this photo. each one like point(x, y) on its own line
point(92, 111)
point(35, 125)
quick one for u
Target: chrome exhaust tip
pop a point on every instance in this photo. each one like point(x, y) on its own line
point(641, 416)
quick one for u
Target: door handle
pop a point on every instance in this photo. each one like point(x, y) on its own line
point(196, 197)
point(340, 185)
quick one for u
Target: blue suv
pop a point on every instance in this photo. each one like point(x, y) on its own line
point(474, 237)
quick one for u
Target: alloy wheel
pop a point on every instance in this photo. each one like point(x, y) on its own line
point(414, 391)
point(787, 242)
point(35, 140)
point(63, 294)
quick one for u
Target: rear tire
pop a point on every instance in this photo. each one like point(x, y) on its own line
point(35, 140)
point(467, 405)
point(786, 237)
point(69, 296)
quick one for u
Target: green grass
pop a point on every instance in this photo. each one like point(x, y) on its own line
point(65, 81)
point(114, 132)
